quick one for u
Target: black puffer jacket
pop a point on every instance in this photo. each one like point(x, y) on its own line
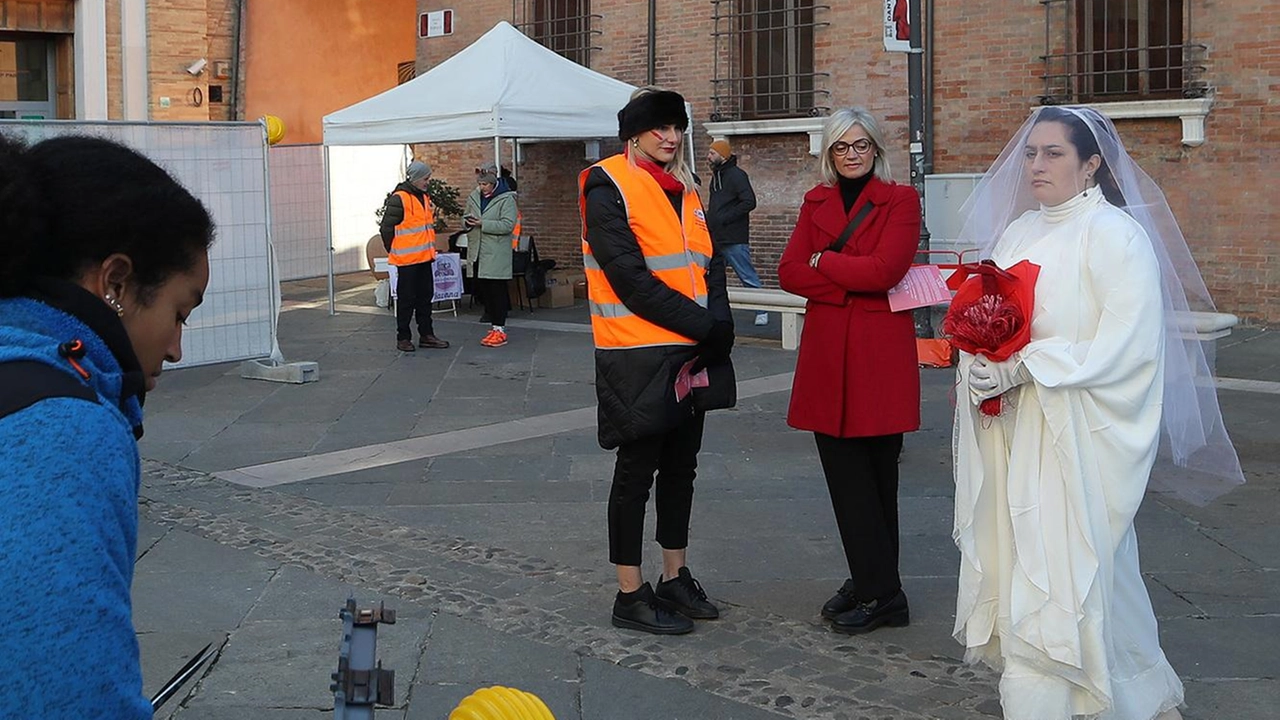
point(393, 212)
point(634, 386)
point(731, 203)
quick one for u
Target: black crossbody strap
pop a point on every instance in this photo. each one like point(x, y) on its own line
point(25, 382)
point(838, 245)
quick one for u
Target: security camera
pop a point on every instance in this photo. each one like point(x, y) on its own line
point(197, 67)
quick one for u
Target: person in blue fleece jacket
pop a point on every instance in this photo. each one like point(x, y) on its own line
point(103, 255)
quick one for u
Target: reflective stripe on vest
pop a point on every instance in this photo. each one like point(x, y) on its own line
point(676, 250)
point(415, 238)
point(515, 231)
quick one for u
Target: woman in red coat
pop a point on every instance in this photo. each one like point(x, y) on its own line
point(857, 383)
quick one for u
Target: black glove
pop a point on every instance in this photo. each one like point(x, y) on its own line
point(715, 347)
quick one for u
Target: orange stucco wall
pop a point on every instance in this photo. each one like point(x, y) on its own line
point(304, 59)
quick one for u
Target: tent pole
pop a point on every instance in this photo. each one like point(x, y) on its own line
point(328, 224)
point(497, 153)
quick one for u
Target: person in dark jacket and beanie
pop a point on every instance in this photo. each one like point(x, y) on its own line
point(729, 215)
point(857, 383)
point(408, 232)
point(658, 304)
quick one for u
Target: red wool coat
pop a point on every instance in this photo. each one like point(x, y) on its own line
point(857, 374)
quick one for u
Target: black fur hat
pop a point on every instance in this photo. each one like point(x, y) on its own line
point(652, 110)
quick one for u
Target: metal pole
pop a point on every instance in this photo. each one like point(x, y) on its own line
point(653, 43)
point(927, 40)
point(497, 154)
point(915, 126)
point(328, 224)
point(272, 269)
point(688, 139)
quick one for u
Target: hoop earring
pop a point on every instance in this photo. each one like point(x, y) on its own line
point(115, 305)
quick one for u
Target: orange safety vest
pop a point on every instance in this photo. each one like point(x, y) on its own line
point(415, 239)
point(676, 250)
point(515, 231)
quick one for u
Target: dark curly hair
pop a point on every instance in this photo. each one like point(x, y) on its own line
point(69, 202)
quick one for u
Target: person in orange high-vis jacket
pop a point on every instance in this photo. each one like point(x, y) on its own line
point(408, 232)
point(658, 301)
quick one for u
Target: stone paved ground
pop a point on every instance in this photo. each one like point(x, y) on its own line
point(493, 557)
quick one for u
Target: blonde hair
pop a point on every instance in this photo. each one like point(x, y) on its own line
point(836, 126)
point(679, 165)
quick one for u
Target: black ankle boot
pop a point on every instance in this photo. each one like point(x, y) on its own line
point(842, 602)
point(867, 616)
point(641, 610)
point(685, 595)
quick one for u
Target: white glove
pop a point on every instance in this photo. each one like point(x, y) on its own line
point(988, 379)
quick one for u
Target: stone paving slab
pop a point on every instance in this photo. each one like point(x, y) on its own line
point(563, 612)
point(1211, 570)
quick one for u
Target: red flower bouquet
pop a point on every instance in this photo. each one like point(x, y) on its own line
point(991, 312)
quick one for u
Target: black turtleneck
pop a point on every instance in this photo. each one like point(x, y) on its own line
point(88, 309)
point(850, 189)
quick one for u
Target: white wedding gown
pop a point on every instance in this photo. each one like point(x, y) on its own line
point(1050, 591)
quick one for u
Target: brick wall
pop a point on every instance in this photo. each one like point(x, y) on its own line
point(986, 80)
point(115, 62)
point(1219, 191)
point(221, 19)
point(176, 37)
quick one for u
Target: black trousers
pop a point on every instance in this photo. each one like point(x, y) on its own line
point(496, 300)
point(674, 457)
point(862, 477)
point(415, 286)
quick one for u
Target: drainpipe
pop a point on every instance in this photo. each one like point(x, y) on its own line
point(915, 125)
point(653, 49)
point(928, 87)
point(238, 59)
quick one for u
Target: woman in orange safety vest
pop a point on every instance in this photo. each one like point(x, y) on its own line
point(658, 302)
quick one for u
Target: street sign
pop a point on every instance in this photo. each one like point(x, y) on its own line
point(435, 24)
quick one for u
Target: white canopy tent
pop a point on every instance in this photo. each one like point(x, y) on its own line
point(503, 85)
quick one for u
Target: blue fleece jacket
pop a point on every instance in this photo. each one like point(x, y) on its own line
point(69, 473)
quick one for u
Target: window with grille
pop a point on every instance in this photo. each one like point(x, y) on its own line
point(565, 26)
point(764, 60)
point(1099, 50)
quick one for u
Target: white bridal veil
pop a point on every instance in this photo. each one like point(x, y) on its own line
point(1197, 461)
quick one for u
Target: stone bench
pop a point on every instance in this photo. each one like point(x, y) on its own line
point(1203, 326)
point(1207, 325)
point(789, 307)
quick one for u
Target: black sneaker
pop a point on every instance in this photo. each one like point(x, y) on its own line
point(645, 612)
point(842, 602)
point(867, 616)
point(685, 595)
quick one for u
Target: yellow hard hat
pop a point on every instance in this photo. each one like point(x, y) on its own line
point(275, 129)
point(501, 703)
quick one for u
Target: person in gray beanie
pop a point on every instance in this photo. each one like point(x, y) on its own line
point(408, 232)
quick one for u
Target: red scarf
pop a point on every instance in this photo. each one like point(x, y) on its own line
point(666, 180)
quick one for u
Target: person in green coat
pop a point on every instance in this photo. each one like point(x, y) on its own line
point(490, 220)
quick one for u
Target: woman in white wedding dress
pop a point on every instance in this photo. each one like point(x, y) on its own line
point(1050, 590)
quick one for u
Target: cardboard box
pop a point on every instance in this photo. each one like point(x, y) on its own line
point(515, 293)
point(560, 288)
